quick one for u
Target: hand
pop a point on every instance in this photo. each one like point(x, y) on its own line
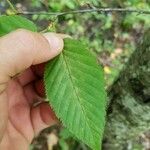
point(21, 86)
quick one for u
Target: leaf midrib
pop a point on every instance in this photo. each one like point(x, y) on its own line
point(75, 91)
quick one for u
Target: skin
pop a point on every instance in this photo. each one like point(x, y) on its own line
point(22, 57)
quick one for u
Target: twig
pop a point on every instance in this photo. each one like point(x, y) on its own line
point(11, 6)
point(99, 10)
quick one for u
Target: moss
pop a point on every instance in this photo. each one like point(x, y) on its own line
point(129, 114)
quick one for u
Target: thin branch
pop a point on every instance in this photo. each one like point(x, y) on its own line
point(99, 10)
point(11, 6)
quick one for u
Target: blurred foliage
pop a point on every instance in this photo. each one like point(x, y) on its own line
point(111, 36)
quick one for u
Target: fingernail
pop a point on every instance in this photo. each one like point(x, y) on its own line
point(63, 36)
point(56, 43)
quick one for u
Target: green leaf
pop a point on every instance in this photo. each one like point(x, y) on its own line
point(75, 89)
point(74, 85)
point(11, 23)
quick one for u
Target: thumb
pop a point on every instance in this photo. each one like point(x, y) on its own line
point(22, 48)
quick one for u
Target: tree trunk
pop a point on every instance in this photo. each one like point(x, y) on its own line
point(129, 109)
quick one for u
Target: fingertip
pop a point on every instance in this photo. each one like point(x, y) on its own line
point(56, 43)
point(39, 88)
point(38, 70)
point(42, 117)
point(47, 114)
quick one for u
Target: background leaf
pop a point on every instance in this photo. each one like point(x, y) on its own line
point(75, 89)
point(11, 23)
